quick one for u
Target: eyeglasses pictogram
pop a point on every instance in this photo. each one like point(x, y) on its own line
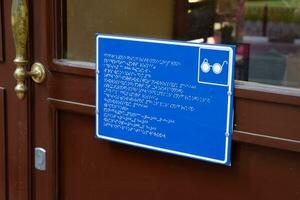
point(216, 68)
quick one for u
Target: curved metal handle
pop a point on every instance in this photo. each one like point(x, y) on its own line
point(19, 22)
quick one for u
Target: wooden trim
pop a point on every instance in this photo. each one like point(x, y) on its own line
point(74, 63)
point(1, 34)
point(54, 173)
point(238, 135)
point(265, 140)
point(3, 161)
point(243, 89)
point(60, 29)
point(260, 87)
point(74, 67)
point(53, 154)
point(267, 93)
point(72, 106)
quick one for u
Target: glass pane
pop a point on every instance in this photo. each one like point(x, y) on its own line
point(266, 32)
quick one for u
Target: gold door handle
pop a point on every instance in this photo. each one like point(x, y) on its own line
point(19, 21)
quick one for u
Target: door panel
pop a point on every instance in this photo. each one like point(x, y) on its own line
point(100, 169)
point(93, 169)
point(266, 146)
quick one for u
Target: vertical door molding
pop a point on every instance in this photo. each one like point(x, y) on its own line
point(1, 35)
point(2, 146)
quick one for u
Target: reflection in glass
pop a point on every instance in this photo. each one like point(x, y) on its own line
point(266, 32)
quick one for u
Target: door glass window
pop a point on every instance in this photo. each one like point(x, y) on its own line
point(266, 32)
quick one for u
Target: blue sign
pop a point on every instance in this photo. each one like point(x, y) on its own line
point(170, 96)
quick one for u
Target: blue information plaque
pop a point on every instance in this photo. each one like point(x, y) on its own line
point(170, 96)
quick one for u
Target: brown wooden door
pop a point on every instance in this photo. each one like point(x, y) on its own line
point(79, 166)
point(15, 129)
point(59, 116)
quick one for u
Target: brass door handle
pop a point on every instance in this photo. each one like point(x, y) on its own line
point(19, 21)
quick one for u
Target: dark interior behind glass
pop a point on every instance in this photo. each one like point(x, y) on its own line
point(265, 32)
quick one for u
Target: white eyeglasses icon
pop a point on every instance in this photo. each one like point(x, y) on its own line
point(217, 67)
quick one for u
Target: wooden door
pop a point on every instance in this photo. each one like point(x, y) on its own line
point(15, 128)
point(59, 116)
